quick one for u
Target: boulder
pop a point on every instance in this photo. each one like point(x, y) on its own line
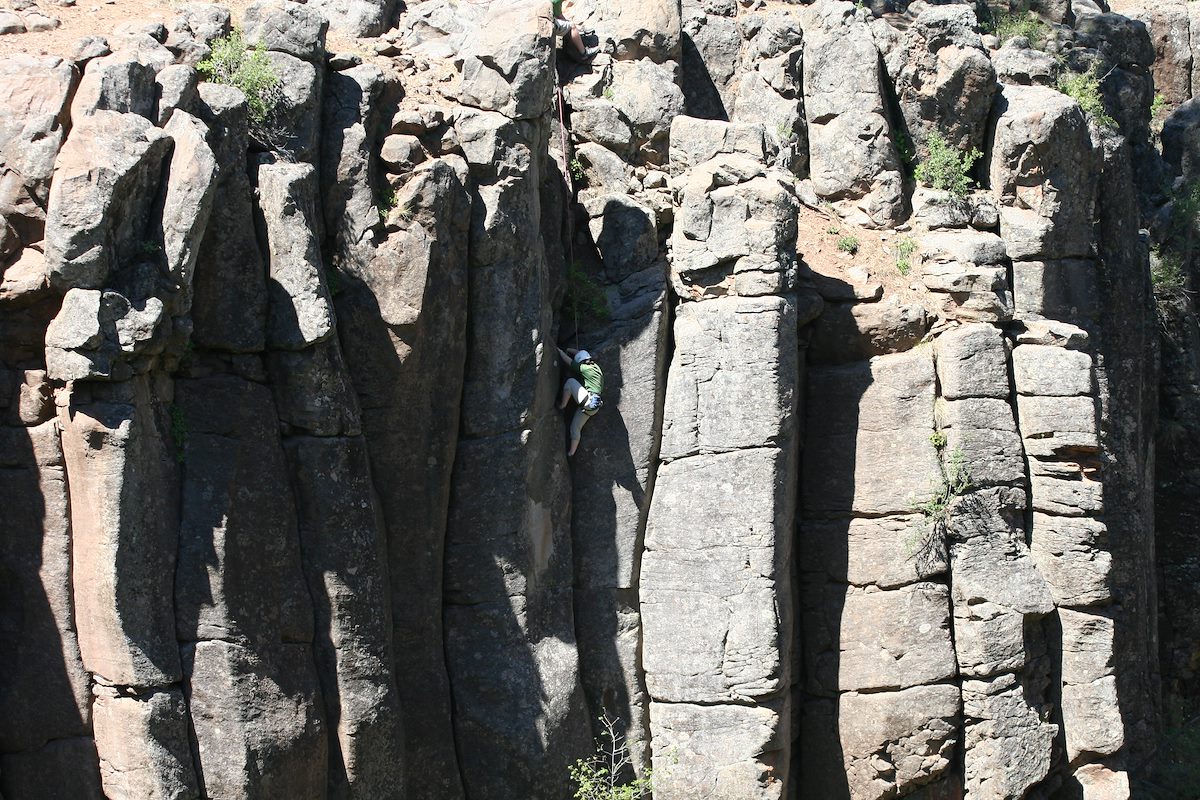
point(646, 94)
point(106, 179)
point(852, 160)
point(120, 82)
point(282, 26)
point(945, 81)
point(300, 308)
point(142, 739)
point(506, 61)
point(1042, 173)
point(1008, 742)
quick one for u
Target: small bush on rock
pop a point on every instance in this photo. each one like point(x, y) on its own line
point(603, 776)
point(1010, 25)
point(945, 168)
point(904, 250)
point(1084, 88)
point(234, 63)
point(848, 244)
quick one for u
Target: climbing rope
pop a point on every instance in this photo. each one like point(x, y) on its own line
point(566, 173)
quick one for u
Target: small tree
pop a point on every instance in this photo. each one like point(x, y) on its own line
point(603, 775)
point(945, 168)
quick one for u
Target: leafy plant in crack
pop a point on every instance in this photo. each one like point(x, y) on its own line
point(1084, 88)
point(1009, 25)
point(606, 774)
point(577, 173)
point(946, 168)
point(935, 509)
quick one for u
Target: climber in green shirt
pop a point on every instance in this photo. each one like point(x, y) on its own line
point(564, 27)
point(585, 385)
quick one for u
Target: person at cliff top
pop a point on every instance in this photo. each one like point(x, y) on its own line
point(564, 27)
point(585, 385)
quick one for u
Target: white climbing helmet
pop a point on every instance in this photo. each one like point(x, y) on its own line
point(582, 356)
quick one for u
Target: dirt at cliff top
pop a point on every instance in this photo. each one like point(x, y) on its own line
point(818, 234)
point(98, 18)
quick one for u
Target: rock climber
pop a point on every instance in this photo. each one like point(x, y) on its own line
point(585, 384)
point(564, 27)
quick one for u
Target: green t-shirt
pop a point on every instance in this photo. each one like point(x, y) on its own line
point(590, 376)
point(556, 7)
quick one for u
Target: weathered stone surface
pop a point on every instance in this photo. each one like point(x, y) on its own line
point(38, 627)
point(294, 126)
point(300, 309)
point(63, 768)
point(710, 50)
point(1017, 63)
point(123, 538)
point(1008, 742)
point(142, 738)
point(634, 30)
point(1066, 289)
point(712, 625)
point(313, 391)
point(625, 233)
point(646, 94)
point(120, 83)
point(33, 113)
point(286, 27)
point(944, 79)
point(344, 552)
point(852, 160)
point(190, 194)
point(1098, 782)
point(864, 551)
point(694, 141)
point(982, 430)
point(176, 89)
point(730, 354)
point(229, 307)
point(1092, 719)
point(506, 60)
point(1051, 371)
point(857, 331)
point(888, 742)
point(239, 574)
point(357, 17)
point(402, 325)
point(259, 727)
point(742, 751)
point(849, 647)
point(1042, 172)
point(937, 209)
point(867, 447)
point(972, 361)
point(1072, 553)
point(106, 179)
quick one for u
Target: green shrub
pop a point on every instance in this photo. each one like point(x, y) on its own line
point(234, 63)
point(904, 250)
point(605, 775)
point(945, 168)
point(1009, 25)
point(1084, 88)
point(1166, 275)
point(938, 440)
point(848, 244)
point(576, 168)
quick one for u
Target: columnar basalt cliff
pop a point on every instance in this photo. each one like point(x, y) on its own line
point(887, 498)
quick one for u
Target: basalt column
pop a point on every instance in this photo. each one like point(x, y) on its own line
point(717, 599)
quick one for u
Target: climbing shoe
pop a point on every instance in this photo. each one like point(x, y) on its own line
point(590, 52)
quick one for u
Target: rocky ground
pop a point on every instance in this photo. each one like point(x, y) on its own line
point(870, 510)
